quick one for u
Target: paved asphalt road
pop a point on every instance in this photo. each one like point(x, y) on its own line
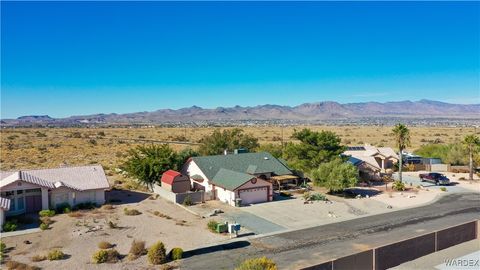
point(301, 248)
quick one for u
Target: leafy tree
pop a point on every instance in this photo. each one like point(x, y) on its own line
point(147, 163)
point(184, 155)
point(336, 175)
point(274, 149)
point(471, 143)
point(218, 141)
point(402, 140)
point(314, 149)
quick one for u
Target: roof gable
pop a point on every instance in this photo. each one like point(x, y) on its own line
point(230, 179)
point(251, 163)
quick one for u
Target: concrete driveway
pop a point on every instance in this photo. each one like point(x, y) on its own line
point(412, 177)
point(294, 214)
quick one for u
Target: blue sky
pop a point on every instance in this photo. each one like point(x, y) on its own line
point(76, 58)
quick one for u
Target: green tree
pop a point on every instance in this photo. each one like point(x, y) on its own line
point(314, 149)
point(184, 155)
point(336, 175)
point(402, 140)
point(218, 141)
point(471, 143)
point(148, 163)
point(274, 149)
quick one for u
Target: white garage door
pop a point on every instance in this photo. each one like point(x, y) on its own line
point(254, 195)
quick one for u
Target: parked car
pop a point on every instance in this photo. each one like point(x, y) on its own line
point(433, 177)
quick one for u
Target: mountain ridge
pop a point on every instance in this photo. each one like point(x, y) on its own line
point(314, 111)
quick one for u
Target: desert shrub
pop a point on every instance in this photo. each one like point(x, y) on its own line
point(40, 134)
point(3, 246)
point(137, 249)
point(63, 208)
point(76, 135)
point(112, 225)
point(55, 254)
point(461, 178)
point(131, 212)
point(212, 225)
point(176, 253)
point(318, 197)
point(44, 226)
point(101, 134)
point(10, 226)
point(14, 265)
point(47, 213)
point(85, 206)
point(106, 256)
point(105, 245)
point(187, 201)
point(92, 141)
point(100, 256)
point(443, 189)
point(262, 263)
point(156, 254)
point(306, 195)
point(38, 258)
point(398, 186)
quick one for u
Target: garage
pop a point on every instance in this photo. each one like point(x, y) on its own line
point(253, 195)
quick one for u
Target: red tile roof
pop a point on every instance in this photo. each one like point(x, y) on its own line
point(169, 176)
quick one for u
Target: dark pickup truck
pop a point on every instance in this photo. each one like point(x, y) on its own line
point(437, 178)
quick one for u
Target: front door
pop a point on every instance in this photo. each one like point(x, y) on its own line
point(33, 203)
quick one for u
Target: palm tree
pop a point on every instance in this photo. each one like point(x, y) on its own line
point(402, 140)
point(471, 142)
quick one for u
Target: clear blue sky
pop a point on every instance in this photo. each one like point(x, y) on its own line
point(76, 58)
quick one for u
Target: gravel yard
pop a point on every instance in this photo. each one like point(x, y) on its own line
point(79, 236)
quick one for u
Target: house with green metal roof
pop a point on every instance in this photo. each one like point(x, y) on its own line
point(245, 177)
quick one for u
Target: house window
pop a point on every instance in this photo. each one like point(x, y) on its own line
point(19, 192)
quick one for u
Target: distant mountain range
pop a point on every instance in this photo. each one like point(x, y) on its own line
point(307, 112)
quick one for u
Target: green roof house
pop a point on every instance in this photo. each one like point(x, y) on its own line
point(244, 176)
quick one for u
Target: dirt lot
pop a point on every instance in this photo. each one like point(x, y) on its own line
point(51, 147)
point(78, 236)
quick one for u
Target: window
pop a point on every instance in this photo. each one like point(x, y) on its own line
point(9, 194)
point(33, 190)
point(19, 192)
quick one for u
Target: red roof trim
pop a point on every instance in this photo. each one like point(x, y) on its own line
point(169, 176)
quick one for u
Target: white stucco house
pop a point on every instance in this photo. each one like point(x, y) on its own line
point(29, 191)
point(245, 176)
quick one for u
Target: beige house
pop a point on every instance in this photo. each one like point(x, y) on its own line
point(30, 191)
point(372, 161)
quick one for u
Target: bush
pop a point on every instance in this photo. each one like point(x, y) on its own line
point(156, 254)
point(44, 226)
point(137, 249)
point(38, 258)
point(131, 212)
point(187, 201)
point(113, 256)
point(10, 226)
point(105, 245)
point(63, 208)
point(262, 263)
point(85, 206)
point(398, 186)
point(46, 213)
point(14, 265)
point(443, 189)
point(2, 247)
point(100, 256)
point(318, 197)
point(176, 253)
point(212, 225)
point(55, 254)
point(112, 225)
